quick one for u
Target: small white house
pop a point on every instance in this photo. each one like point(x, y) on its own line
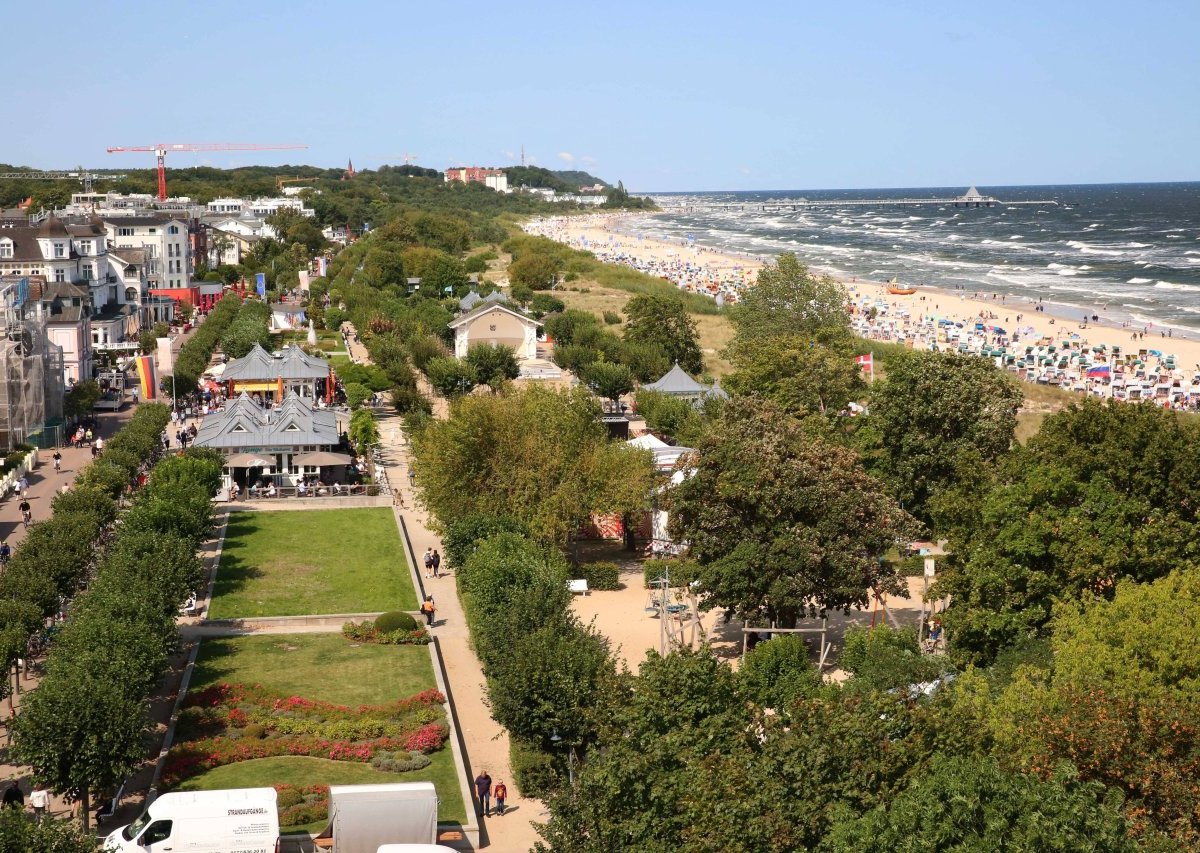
point(493, 323)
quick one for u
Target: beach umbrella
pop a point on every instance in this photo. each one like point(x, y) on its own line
point(322, 459)
point(247, 460)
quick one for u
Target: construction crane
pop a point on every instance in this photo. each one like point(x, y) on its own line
point(409, 159)
point(279, 182)
point(160, 151)
point(84, 176)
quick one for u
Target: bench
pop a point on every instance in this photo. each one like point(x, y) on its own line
point(189, 606)
point(579, 585)
point(109, 807)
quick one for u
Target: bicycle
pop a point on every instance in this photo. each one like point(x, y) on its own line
point(27, 518)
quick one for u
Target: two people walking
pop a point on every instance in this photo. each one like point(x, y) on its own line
point(486, 792)
point(433, 563)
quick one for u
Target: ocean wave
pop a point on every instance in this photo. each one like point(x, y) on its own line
point(1139, 281)
point(1170, 285)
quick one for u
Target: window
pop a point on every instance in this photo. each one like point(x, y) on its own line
point(131, 294)
point(87, 272)
point(60, 251)
point(85, 247)
point(60, 275)
point(160, 830)
point(174, 229)
point(131, 272)
point(6, 247)
point(124, 232)
point(153, 231)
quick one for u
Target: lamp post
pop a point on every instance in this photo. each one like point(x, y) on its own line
point(556, 740)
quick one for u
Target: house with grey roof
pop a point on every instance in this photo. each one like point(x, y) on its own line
point(676, 383)
point(274, 375)
point(492, 322)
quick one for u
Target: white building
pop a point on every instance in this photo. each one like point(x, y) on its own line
point(260, 207)
point(168, 255)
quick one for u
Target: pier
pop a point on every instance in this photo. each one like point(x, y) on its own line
point(971, 198)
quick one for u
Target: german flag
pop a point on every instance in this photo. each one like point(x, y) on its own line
point(147, 376)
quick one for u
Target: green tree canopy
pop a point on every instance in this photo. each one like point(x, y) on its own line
point(933, 418)
point(608, 380)
point(789, 300)
point(782, 520)
point(662, 321)
point(495, 364)
point(800, 375)
point(537, 455)
point(451, 377)
point(535, 271)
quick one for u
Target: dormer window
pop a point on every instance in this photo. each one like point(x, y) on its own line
point(60, 251)
point(6, 248)
point(292, 427)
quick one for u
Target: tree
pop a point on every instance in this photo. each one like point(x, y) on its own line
point(785, 521)
point(364, 432)
point(535, 271)
point(776, 673)
point(677, 420)
point(357, 394)
point(80, 745)
point(789, 300)
point(81, 398)
point(798, 374)
point(1102, 492)
point(538, 455)
point(608, 380)
point(451, 377)
point(664, 322)
point(935, 416)
point(19, 834)
point(972, 804)
point(494, 364)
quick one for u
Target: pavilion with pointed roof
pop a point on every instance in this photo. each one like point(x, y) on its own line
point(275, 374)
point(676, 383)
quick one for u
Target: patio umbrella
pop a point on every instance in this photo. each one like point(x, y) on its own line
point(322, 459)
point(247, 460)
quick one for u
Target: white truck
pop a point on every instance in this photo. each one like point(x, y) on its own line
point(239, 820)
point(369, 818)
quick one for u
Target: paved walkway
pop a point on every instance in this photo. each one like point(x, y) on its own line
point(486, 740)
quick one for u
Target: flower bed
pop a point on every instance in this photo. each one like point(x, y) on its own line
point(366, 632)
point(227, 723)
point(300, 805)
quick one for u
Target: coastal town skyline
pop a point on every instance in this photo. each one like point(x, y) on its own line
point(672, 98)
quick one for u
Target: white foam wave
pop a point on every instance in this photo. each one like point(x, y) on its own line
point(1139, 281)
point(1170, 285)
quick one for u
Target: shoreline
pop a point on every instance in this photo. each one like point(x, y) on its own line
point(695, 267)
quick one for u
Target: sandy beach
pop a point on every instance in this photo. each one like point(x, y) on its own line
point(921, 320)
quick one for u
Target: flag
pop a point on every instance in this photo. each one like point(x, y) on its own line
point(145, 372)
point(866, 362)
point(260, 283)
point(1100, 371)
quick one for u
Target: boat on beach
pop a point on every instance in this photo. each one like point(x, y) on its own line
point(896, 289)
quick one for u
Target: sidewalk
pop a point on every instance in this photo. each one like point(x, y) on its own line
point(486, 740)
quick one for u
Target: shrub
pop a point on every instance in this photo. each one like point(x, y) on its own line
point(532, 768)
point(776, 673)
point(602, 576)
point(287, 796)
point(680, 570)
point(612, 318)
point(395, 620)
point(464, 534)
point(400, 762)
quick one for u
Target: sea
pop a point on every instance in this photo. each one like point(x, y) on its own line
point(1128, 252)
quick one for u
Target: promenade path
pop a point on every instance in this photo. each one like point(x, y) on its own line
point(486, 740)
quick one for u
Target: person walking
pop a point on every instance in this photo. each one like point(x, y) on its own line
point(483, 790)
point(23, 486)
point(437, 562)
point(428, 562)
point(13, 798)
point(500, 794)
point(40, 800)
point(428, 608)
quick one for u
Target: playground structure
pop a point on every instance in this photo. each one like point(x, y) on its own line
point(680, 624)
point(823, 648)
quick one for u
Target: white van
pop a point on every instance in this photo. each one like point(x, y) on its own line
point(239, 820)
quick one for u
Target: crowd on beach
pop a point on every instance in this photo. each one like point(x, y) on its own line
point(1066, 360)
point(688, 267)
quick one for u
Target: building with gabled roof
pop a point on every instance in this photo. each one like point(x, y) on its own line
point(291, 370)
point(491, 322)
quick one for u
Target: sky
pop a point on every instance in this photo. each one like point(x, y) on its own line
point(664, 95)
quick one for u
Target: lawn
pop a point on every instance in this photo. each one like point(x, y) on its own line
point(309, 562)
point(303, 771)
point(327, 667)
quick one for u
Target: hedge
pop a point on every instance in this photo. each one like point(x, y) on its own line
point(532, 768)
point(601, 576)
point(194, 355)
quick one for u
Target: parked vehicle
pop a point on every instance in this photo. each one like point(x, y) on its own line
point(238, 820)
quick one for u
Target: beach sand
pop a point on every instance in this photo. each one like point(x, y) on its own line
point(616, 234)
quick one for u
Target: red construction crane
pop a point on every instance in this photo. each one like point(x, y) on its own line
point(161, 150)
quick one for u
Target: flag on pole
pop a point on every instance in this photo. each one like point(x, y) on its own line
point(145, 372)
point(866, 362)
point(1100, 371)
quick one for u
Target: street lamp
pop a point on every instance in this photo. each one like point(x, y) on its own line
point(556, 740)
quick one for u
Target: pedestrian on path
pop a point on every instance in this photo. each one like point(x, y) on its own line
point(500, 794)
point(40, 800)
point(23, 485)
point(483, 790)
point(428, 562)
point(437, 562)
point(57, 460)
point(428, 608)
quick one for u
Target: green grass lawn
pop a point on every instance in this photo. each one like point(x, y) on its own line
point(301, 770)
point(326, 667)
point(319, 561)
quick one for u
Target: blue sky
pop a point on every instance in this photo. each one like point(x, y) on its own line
point(663, 95)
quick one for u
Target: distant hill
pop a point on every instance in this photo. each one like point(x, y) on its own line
point(563, 182)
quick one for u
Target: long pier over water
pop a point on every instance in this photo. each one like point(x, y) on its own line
point(972, 198)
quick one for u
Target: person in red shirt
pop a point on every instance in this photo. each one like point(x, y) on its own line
point(499, 794)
